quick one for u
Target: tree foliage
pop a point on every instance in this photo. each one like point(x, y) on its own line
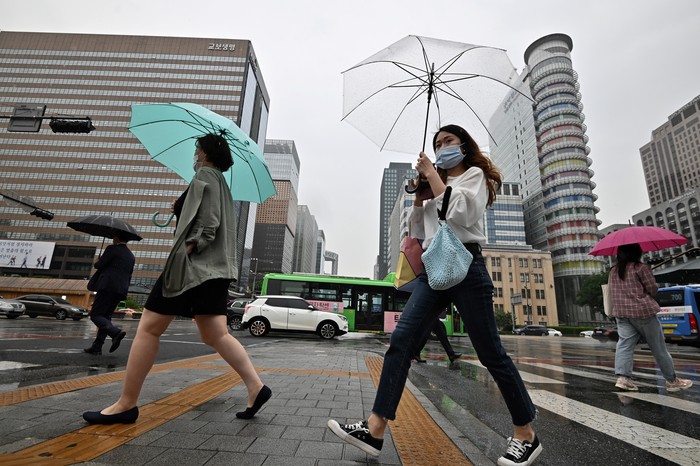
point(504, 320)
point(591, 294)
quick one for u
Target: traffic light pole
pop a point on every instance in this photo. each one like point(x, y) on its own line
point(38, 212)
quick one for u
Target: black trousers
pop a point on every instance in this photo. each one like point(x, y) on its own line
point(101, 315)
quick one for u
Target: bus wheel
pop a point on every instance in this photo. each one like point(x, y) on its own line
point(327, 330)
point(258, 328)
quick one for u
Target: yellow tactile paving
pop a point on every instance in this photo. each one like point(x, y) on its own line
point(56, 388)
point(418, 439)
point(89, 442)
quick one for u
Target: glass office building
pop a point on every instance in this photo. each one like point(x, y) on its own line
point(108, 171)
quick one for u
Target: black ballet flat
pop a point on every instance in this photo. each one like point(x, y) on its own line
point(263, 395)
point(126, 417)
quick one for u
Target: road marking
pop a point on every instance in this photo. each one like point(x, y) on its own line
point(661, 442)
point(663, 400)
point(526, 376)
point(646, 374)
point(9, 365)
point(585, 374)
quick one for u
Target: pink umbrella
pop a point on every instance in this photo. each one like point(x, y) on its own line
point(649, 238)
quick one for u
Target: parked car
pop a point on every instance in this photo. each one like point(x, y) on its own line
point(552, 332)
point(532, 330)
point(235, 310)
point(586, 333)
point(292, 314)
point(126, 313)
point(11, 308)
point(51, 306)
point(603, 332)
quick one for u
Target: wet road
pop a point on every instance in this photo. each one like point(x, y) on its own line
point(582, 418)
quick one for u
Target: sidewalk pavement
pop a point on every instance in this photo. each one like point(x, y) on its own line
point(187, 416)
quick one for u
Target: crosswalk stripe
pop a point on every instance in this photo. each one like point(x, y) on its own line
point(526, 376)
point(580, 373)
point(645, 374)
point(663, 400)
point(661, 442)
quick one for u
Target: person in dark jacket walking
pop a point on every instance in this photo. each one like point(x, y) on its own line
point(111, 283)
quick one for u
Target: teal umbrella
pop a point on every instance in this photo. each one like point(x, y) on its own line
point(168, 132)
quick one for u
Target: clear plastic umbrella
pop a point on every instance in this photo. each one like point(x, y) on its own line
point(418, 84)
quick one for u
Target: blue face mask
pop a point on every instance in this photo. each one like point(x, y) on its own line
point(449, 157)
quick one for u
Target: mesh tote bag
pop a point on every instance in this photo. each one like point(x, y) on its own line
point(446, 261)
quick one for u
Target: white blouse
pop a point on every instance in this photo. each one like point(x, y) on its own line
point(465, 213)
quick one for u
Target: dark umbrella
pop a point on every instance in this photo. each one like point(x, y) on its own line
point(105, 226)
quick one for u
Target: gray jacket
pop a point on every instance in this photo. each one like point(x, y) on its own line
point(208, 220)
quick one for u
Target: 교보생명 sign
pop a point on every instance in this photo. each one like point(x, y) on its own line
point(26, 254)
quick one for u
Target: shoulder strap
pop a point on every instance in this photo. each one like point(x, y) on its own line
point(445, 201)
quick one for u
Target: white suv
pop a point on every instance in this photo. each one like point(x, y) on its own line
point(292, 314)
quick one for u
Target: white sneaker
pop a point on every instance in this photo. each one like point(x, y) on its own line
point(624, 383)
point(678, 385)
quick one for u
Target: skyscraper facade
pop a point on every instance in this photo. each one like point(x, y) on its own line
point(305, 241)
point(108, 171)
point(392, 181)
point(671, 160)
point(503, 220)
point(276, 219)
point(559, 203)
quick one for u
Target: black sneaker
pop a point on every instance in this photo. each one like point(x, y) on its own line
point(357, 435)
point(520, 452)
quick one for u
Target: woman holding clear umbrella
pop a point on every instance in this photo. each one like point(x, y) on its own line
point(474, 181)
point(194, 283)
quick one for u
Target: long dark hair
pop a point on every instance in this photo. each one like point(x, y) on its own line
point(627, 254)
point(473, 158)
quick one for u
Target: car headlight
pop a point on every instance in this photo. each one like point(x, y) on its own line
point(6, 306)
point(343, 318)
point(74, 309)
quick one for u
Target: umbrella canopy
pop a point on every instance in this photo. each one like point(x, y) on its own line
point(648, 237)
point(105, 226)
point(169, 131)
point(420, 83)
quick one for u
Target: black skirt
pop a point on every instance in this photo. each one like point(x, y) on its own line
point(208, 298)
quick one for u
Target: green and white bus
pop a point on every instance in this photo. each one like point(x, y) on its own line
point(369, 305)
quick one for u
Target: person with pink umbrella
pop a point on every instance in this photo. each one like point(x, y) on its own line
point(633, 288)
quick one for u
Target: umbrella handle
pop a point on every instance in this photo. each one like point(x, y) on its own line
point(161, 225)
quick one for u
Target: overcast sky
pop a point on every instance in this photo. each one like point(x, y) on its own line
point(637, 62)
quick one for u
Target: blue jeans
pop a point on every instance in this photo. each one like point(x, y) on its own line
point(629, 331)
point(473, 298)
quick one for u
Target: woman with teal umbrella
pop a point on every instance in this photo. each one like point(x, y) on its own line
point(195, 282)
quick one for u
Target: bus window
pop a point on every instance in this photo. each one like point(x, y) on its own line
point(324, 292)
point(346, 296)
point(397, 300)
point(300, 289)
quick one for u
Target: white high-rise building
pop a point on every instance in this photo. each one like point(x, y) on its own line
point(543, 146)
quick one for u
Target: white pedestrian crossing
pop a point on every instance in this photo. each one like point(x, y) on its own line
point(669, 445)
